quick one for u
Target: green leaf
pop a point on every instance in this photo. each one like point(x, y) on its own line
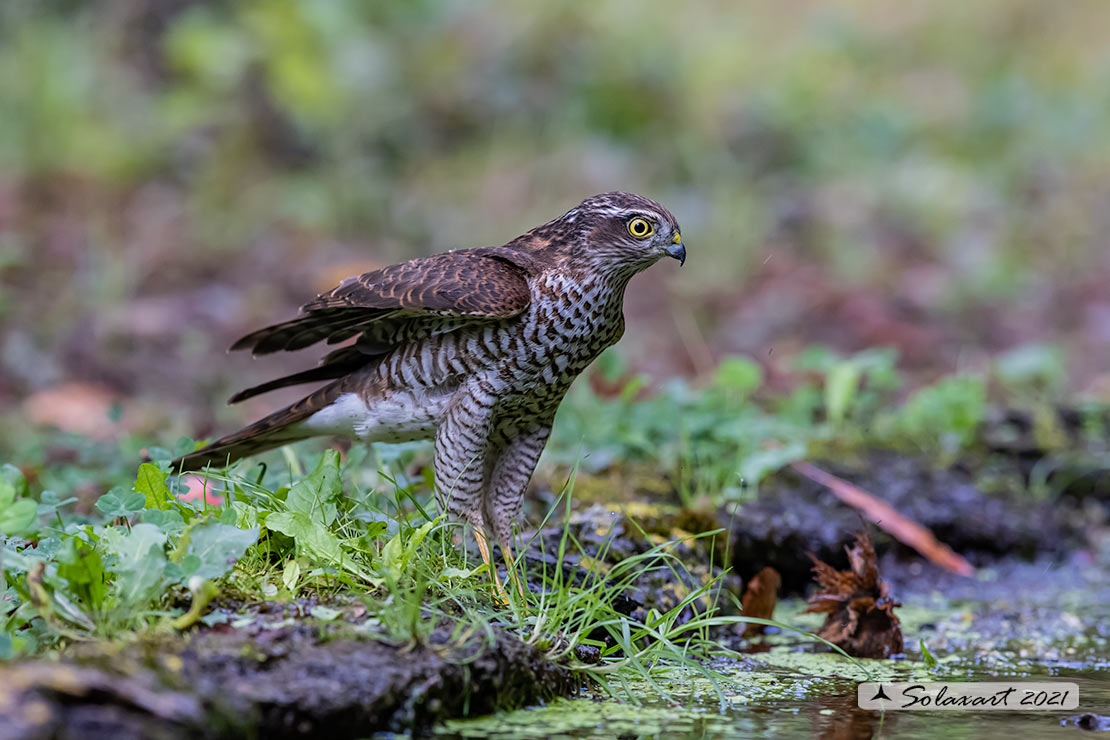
point(14, 476)
point(183, 571)
point(398, 551)
point(161, 454)
point(71, 612)
point(317, 493)
point(151, 482)
point(131, 547)
point(841, 385)
point(453, 572)
point(81, 566)
point(18, 517)
point(7, 494)
point(755, 467)
point(49, 503)
point(18, 512)
point(325, 613)
point(20, 562)
point(246, 516)
point(310, 536)
point(169, 520)
point(218, 547)
point(290, 575)
point(121, 502)
point(927, 657)
point(139, 562)
point(739, 374)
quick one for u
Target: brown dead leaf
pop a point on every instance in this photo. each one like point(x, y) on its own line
point(606, 388)
point(903, 528)
point(861, 619)
point(82, 408)
point(759, 600)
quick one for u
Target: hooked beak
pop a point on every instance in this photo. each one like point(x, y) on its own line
point(677, 250)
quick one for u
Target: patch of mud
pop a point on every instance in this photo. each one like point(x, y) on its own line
point(295, 681)
point(794, 515)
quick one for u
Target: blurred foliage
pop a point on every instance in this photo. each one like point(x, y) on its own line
point(340, 99)
point(971, 137)
point(718, 441)
point(925, 175)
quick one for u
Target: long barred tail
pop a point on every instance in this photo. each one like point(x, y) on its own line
point(277, 429)
point(227, 450)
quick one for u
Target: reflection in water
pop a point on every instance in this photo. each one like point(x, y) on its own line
point(839, 718)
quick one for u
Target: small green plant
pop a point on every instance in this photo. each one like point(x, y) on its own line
point(77, 579)
point(927, 657)
point(852, 388)
point(17, 511)
point(943, 418)
point(1032, 371)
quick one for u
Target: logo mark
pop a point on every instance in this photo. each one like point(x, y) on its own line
point(880, 694)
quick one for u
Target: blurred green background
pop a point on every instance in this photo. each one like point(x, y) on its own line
point(929, 176)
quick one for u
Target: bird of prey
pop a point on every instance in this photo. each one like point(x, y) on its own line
point(474, 348)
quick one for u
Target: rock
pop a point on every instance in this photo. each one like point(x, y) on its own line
point(1089, 721)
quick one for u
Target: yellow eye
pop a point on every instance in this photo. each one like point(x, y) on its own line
point(640, 228)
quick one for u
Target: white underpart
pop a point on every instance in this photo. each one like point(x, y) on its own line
point(401, 416)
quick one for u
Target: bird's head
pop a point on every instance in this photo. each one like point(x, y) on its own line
point(623, 232)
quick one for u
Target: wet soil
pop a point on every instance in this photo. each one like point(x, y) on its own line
point(303, 680)
point(793, 516)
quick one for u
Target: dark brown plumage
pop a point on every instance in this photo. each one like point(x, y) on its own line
point(474, 348)
point(387, 306)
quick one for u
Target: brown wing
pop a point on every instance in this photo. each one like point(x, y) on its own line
point(469, 282)
point(389, 306)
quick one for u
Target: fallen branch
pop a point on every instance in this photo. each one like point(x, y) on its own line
point(884, 515)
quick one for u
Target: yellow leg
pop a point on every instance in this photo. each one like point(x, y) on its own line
point(510, 560)
point(483, 548)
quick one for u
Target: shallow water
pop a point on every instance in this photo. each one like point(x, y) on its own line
point(1024, 622)
point(832, 713)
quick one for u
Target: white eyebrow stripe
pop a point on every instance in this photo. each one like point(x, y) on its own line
point(617, 211)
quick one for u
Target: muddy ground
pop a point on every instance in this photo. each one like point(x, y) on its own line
point(794, 516)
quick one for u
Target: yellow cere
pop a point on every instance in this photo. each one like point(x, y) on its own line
point(677, 238)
